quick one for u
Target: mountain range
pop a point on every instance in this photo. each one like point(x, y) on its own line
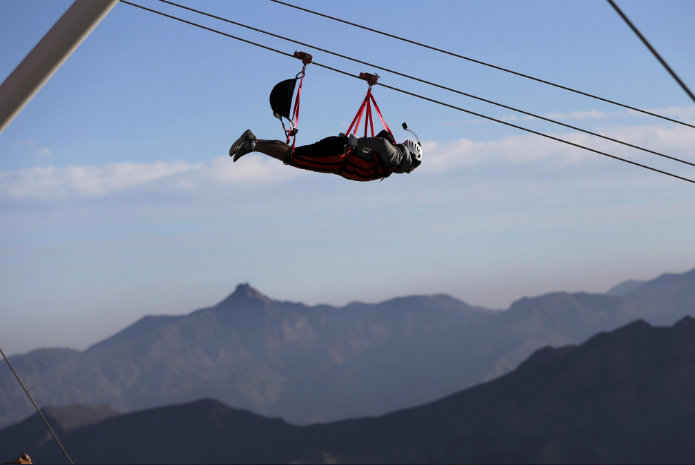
point(322, 363)
point(620, 397)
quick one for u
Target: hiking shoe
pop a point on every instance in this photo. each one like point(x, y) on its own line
point(243, 145)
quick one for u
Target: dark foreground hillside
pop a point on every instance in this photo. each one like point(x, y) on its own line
point(621, 397)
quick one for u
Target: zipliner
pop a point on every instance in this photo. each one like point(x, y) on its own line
point(349, 156)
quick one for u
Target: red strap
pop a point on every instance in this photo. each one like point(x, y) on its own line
point(381, 117)
point(368, 118)
point(358, 118)
point(295, 113)
point(368, 121)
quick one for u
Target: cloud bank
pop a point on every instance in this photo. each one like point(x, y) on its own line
point(88, 181)
point(525, 149)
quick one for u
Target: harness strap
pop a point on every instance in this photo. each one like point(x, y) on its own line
point(294, 118)
point(366, 109)
point(369, 118)
point(295, 113)
point(358, 118)
point(383, 122)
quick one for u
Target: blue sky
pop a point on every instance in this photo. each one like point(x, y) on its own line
point(118, 199)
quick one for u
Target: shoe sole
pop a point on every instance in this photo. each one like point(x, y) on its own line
point(239, 142)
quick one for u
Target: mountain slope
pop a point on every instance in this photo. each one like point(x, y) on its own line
point(624, 288)
point(32, 432)
point(664, 299)
point(255, 352)
point(620, 397)
point(323, 363)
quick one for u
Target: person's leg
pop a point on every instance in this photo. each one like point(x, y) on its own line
point(248, 143)
point(273, 148)
point(328, 147)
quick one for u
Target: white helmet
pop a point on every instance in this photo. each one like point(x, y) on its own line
point(415, 150)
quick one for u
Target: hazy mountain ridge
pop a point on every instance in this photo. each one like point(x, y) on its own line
point(625, 288)
point(620, 397)
point(663, 298)
point(143, 326)
point(246, 350)
point(323, 363)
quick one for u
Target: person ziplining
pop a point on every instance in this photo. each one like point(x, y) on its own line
point(347, 155)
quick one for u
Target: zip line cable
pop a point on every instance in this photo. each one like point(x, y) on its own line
point(500, 68)
point(208, 28)
point(535, 132)
point(652, 49)
point(412, 94)
point(428, 82)
point(38, 410)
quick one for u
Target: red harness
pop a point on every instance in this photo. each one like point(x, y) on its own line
point(349, 165)
point(367, 106)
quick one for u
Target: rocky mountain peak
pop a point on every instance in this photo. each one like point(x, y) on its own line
point(245, 293)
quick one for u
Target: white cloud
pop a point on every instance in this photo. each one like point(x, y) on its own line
point(687, 113)
point(96, 181)
point(23, 143)
point(88, 181)
point(44, 152)
point(40, 151)
point(676, 141)
point(580, 115)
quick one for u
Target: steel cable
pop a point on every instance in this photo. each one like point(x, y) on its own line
point(415, 95)
point(38, 410)
point(480, 62)
point(652, 49)
point(424, 81)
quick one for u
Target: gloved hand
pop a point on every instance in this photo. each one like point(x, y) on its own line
point(352, 140)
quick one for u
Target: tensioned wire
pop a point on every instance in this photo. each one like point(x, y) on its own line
point(480, 62)
point(36, 407)
point(652, 49)
point(429, 83)
point(506, 123)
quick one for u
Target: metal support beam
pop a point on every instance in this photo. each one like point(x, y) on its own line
point(47, 56)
